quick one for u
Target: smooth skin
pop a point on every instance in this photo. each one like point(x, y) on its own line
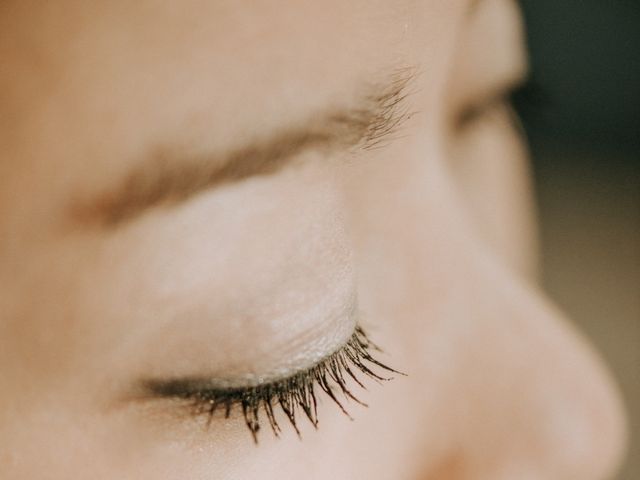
point(433, 233)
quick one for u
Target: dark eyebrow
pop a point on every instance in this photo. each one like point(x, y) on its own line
point(474, 5)
point(168, 178)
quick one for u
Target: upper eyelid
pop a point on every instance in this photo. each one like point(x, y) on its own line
point(186, 386)
point(296, 390)
point(499, 93)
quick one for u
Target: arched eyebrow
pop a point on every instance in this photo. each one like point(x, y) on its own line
point(166, 178)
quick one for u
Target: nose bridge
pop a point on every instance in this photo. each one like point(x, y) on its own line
point(564, 413)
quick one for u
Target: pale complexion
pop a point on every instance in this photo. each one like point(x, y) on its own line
point(427, 240)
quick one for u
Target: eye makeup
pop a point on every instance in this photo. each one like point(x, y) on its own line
point(295, 395)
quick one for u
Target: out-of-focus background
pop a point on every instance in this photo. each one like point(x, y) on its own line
point(582, 116)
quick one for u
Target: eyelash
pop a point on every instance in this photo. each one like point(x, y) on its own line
point(292, 394)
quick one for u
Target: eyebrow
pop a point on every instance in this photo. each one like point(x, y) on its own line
point(168, 178)
point(474, 5)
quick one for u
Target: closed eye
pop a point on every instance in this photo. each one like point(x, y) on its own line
point(500, 96)
point(332, 376)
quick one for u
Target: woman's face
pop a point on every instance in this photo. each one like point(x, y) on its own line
point(222, 191)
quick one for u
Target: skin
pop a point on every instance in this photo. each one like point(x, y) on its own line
point(434, 234)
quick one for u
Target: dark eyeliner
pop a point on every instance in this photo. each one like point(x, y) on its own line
point(292, 394)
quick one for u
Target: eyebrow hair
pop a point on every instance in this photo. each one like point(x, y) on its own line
point(169, 178)
point(474, 5)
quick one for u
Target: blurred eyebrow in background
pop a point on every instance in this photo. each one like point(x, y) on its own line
point(474, 5)
point(169, 178)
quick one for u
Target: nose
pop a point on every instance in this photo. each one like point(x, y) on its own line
point(564, 417)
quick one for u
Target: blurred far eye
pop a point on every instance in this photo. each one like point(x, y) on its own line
point(488, 108)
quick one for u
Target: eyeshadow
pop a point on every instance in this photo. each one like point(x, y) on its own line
point(298, 392)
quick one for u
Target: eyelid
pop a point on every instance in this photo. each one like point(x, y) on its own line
point(331, 375)
point(496, 97)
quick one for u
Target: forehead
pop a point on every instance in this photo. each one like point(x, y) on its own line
point(213, 57)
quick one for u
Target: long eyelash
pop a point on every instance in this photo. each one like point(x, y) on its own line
point(293, 395)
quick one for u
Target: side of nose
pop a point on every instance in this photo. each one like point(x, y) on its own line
point(565, 418)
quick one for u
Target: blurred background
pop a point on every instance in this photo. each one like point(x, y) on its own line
point(582, 116)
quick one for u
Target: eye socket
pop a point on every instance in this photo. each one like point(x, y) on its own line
point(331, 375)
point(524, 93)
point(479, 111)
point(482, 109)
